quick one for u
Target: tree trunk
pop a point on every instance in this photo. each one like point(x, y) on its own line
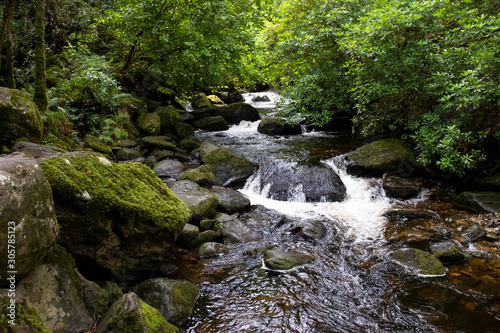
point(9, 65)
point(40, 97)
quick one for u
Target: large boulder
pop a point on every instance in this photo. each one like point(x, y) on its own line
point(130, 314)
point(236, 112)
point(149, 123)
point(157, 142)
point(418, 262)
point(229, 169)
point(19, 117)
point(203, 175)
point(169, 116)
point(289, 181)
point(275, 126)
point(36, 150)
point(200, 201)
point(175, 299)
point(27, 215)
point(402, 188)
point(230, 201)
point(19, 317)
point(115, 219)
point(200, 101)
point(479, 202)
point(233, 230)
point(376, 158)
point(215, 123)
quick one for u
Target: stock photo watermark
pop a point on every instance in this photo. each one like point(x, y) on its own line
point(11, 272)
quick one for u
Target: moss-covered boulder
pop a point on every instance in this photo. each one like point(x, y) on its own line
point(479, 202)
point(130, 315)
point(157, 142)
point(448, 253)
point(285, 260)
point(200, 101)
point(275, 126)
point(96, 144)
point(191, 237)
point(418, 262)
point(376, 158)
point(126, 154)
point(19, 117)
point(215, 123)
point(19, 317)
point(237, 112)
point(229, 169)
point(215, 100)
point(132, 106)
point(212, 249)
point(203, 175)
point(175, 299)
point(149, 123)
point(190, 144)
point(200, 201)
point(27, 214)
point(183, 130)
point(169, 116)
point(115, 218)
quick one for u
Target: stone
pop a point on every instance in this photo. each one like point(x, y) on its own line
point(26, 317)
point(175, 299)
point(200, 101)
point(479, 202)
point(94, 297)
point(125, 154)
point(383, 156)
point(405, 215)
point(125, 143)
point(96, 144)
point(203, 175)
point(187, 236)
point(131, 106)
point(113, 291)
point(130, 314)
point(489, 183)
point(448, 253)
point(418, 262)
point(212, 249)
point(237, 112)
point(285, 260)
point(275, 126)
point(19, 118)
point(215, 100)
point(169, 168)
point(309, 229)
point(189, 144)
point(36, 150)
point(232, 230)
point(402, 188)
point(117, 219)
point(27, 214)
point(213, 124)
point(229, 169)
point(262, 98)
point(473, 233)
point(207, 224)
point(149, 123)
point(169, 116)
point(200, 201)
point(183, 130)
point(230, 201)
point(157, 142)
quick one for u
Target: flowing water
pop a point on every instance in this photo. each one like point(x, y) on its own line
point(351, 286)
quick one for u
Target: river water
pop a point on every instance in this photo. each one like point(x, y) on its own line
point(351, 286)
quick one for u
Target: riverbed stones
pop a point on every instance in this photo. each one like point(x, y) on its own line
point(212, 124)
point(27, 213)
point(183, 130)
point(131, 314)
point(230, 201)
point(19, 117)
point(175, 299)
point(127, 154)
point(383, 156)
point(288, 181)
point(203, 175)
point(237, 112)
point(168, 168)
point(479, 202)
point(232, 230)
point(212, 249)
point(200, 201)
point(285, 260)
point(169, 116)
point(402, 188)
point(160, 142)
point(448, 253)
point(308, 229)
point(191, 237)
point(275, 126)
point(418, 262)
point(473, 233)
point(115, 218)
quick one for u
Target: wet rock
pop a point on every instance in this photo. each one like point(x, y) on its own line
point(130, 314)
point(207, 224)
point(169, 169)
point(96, 144)
point(125, 154)
point(285, 260)
point(297, 182)
point(402, 188)
point(258, 251)
point(448, 253)
point(229, 169)
point(418, 262)
point(309, 229)
point(125, 143)
point(413, 236)
point(157, 142)
point(36, 150)
point(262, 98)
point(115, 219)
point(26, 211)
point(200, 201)
point(215, 123)
point(233, 230)
point(473, 233)
point(175, 299)
point(384, 156)
point(187, 235)
point(19, 117)
point(492, 237)
point(479, 202)
point(402, 214)
point(237, 112)
point(230, 201)
point(189, 144)
point(149, 123)
point(275, 126)
point(183, 130)
point(212, 249)
point(203, 175)
point(215, 100)
point(169, 116)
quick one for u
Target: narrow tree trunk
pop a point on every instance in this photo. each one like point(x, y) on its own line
point(9, 63)
point(40, 97)
point(2, 31)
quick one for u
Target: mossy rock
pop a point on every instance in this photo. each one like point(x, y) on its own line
point(215, 100)
point(376, 158)
point(237, 112)
point(200, 201)
point(124, 154)
point(215, 123)
point(169, 116)
point(419, 262)
point(479, 202)
point(189, 144)
point(183, 130)
point(131, 106)
point(489, 183)
point(275, 126)
point(36, 150)
point(130, 315)
point(448, 253)
point(132, 131)
point(203, 175)
point(24, 317)
point(113, 291)
point(96, 145)
point(285, 260)
point(212, 249)
point(157, 142)
point(165, 94)
point(149, 123)
point(19, 117)
point(187, 235)
point(119, 218)
point(152, 105)
point(200, 101)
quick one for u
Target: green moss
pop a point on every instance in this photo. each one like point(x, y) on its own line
point(130, 190)
point(183, 294)
point(189, 144)
point(96, 144)
point(58, 256)
point(203, 175)
point(155, 321)
point(183, 130)
point(388, 153)
point(25, 316)
point(169, 116)
point(160, 142)
point(200, 101)
point(149, 123)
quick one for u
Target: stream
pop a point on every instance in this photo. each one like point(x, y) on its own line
point(351, 286)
